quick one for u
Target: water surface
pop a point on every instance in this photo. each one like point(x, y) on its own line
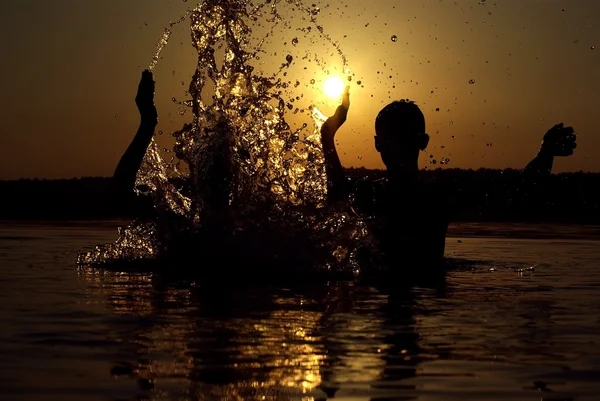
point(495, 330)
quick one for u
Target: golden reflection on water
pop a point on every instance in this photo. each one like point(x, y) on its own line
point(482, 332)
point(233, 347)
point(128, 294)
point(282, 343)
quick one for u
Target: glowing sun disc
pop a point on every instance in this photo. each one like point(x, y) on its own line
point(334, 87)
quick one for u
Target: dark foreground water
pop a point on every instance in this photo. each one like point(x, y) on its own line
point(491, 332)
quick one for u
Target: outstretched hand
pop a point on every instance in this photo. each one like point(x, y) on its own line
point(333, 123)
point(145, 99)
point(346, 98)
point(559, 141)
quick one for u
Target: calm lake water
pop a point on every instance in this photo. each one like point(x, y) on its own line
point(491, 332)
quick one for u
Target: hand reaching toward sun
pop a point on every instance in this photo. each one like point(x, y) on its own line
point(145, 99)
point(346, 98)
point(559, 141)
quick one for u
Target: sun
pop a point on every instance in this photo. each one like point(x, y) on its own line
point(334, 87)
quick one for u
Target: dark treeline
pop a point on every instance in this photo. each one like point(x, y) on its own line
point(485, 195)
point(65, 199)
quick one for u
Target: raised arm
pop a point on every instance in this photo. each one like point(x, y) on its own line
point(126, 171)
point(534, 190)
point(336, 179)
point(558, 141)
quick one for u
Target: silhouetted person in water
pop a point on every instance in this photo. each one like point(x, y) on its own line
point(126, 171)
point(215, 189)
point(179, 236)
point(215, 233)
point(409, 217)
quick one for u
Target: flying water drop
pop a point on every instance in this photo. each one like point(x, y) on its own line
point(239, 137)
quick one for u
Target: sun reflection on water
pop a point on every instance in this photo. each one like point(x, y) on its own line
point(246, 344)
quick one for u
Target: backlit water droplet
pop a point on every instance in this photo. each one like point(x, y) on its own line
point(394, 38)
point(235, 112)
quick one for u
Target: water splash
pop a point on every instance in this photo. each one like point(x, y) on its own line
point(240, 160)
point(164, 40)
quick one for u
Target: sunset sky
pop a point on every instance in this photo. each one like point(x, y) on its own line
point(500, 72)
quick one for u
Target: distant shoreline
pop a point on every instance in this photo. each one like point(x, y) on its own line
point(457, 232)
point(487, 196)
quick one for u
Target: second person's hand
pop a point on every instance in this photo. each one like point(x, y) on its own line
point(559, 141)
point(346, 98)
point(145, 99)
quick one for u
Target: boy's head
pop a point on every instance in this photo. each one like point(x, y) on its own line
point(400, 135)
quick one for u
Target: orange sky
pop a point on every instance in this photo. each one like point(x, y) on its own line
point(70, 71)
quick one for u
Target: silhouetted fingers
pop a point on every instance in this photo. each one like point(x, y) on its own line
point(567, 137)
point(568, 143)
point(571, 138)
point(567, 152)
point(567, 148)
point(555, 130)
point(146, 88)
point(147, 76)
point(346, 97)
point(559, 135)
point(568, 130)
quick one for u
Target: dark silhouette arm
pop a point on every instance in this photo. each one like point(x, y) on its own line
point(126, 171)
point(558, 141)
point(531, 186)
point(336, 179)
point(535, 189)
point(540, 165)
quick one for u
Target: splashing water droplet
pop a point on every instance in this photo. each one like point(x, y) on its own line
point(238, 136)
point(164, 40)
